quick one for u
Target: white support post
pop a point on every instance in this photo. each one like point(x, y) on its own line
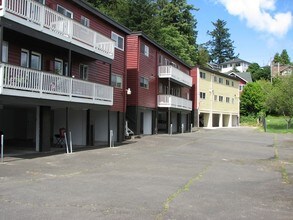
point(191, 125)
point(182, 128)
point(70, 142)
point(171, 129)
point(1, 78)
point(66, 143)
point(111, 138)
point(2, 147)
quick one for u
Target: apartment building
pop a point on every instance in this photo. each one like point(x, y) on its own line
point(63, 65)
point(160, 88)
point(215, 98)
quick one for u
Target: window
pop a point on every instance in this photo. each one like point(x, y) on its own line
point(232, 83)
point(83, 71)
point(58, 66)
point(215, 98)
point(241, 87)
point(221, 80)
point(202, 75)
point(41, 1)
point(227, 82)
point(215, 79)
point(233, 100)
point(144, 82)
point(238, 64)
point(227, 100)
point(225, 66)
point(145, 50)
point(116, 81)
point(4, 51)
point(119, 41)
point(64, 11)
point(35, 61)
point(202, 95)
point(221, 98)
point(24, 58)
point(85, 21)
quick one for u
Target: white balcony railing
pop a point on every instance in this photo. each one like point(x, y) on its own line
point(44, 19)
point(169, 101)
point(24, 82)
point(175, 74)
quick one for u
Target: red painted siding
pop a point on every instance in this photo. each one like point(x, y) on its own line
point(148, 69)
point(132, 52)
point(193, 93)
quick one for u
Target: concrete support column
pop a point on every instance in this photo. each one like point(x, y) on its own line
point(230, 121)
point(210, 120)
point(45, 128)
point(221, 121)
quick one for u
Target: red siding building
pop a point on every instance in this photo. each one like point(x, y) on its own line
point(160, 87)
point(63, 65)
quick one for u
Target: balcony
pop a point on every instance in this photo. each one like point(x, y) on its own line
point(169, 101)
point(175, 74)
point(24, 82)
point(48, 21)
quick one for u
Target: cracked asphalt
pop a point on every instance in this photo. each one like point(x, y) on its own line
point(238, 173)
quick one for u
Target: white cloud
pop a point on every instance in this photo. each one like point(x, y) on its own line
point(259, 15)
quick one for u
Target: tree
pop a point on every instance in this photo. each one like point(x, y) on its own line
point(220, 46)
point(252, 99)
point(258, 73)
point(284, 57)
point(280, 98)
point(203, 56)
point(158, 19)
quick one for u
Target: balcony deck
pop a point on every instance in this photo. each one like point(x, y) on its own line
point(175, 74)
point(24, 82)
point(48, 21)
point(169, 101)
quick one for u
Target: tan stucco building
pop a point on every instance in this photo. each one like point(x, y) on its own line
point(215, 98)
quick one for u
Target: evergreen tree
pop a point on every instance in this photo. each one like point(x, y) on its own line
point(220, 46)
point(284, 57)
point(277, 58)
point(203, 56)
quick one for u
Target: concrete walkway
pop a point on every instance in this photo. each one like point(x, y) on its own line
point(210, 174)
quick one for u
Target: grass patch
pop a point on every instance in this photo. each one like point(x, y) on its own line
point(277, 125)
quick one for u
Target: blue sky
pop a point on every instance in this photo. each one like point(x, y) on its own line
point(259, 28)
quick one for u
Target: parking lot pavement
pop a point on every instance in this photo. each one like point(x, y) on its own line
point(210, 174)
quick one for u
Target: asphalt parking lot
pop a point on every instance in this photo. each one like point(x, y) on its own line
point(236, 173)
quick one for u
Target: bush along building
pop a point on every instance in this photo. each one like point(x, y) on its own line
point(160, 85)
point(63, 65)
point(215, 98)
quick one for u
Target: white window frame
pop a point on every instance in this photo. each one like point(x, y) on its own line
point(40, 60)
point(114, 82)
point(232, 83)
point(116, 38)
point(85, 21)
point(145, 50)
point(144, 82)
point(83, 71)
point(202, 75)
point(221, 80)
point(27, 56)
point(61, 62)
point(221, 98)
point(5, 52)
point(227, 99)
point(227, 82)
point(66, 11)
point(202, 95)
